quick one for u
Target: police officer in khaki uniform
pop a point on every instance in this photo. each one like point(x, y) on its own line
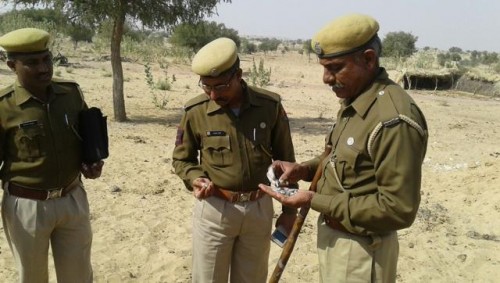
point(370, 183)
point(44, 200)
point(227, 139)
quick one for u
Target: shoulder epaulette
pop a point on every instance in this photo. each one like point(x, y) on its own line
point(387, 111)
point(390, 114)
point(263, 93)
point(195, 101)
point(6, 90)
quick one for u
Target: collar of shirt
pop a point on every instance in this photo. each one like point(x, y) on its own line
point(22, 95)
point(364, 101)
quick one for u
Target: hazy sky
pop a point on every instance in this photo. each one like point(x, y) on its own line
point(468, 24)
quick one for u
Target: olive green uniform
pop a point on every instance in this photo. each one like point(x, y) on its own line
point(234, 153)
point(370, 182)
point(40, 150)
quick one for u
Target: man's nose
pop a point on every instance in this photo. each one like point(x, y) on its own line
point(213, 95)
point(328, 77)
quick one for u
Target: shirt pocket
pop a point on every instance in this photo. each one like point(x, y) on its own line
point(261, 152)
point(347, 163)
point(217, 150)
point(29, 142)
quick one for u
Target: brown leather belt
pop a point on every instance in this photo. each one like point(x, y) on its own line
point(29, 193)
point(334, 224)
point(237, 196)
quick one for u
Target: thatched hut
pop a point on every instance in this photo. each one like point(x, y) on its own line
point(483, 83)
point(447, 79)
point(430, 79)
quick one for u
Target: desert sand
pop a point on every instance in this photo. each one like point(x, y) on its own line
point(141, 212)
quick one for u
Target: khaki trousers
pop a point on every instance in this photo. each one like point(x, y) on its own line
point(64, 222)
point(231, 238)
point(349, 258)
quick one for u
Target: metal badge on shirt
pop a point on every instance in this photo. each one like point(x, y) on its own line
point(216, 133)
point(29, 124)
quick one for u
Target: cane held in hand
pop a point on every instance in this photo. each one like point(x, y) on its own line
point(297, 225)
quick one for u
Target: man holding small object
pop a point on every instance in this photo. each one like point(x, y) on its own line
point(227, 138)
point(41, 163)
point(370, 182)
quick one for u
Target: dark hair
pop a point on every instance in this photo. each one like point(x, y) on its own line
point(375, 44)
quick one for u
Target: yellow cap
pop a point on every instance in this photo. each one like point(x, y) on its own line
point(344, 35)
point(25, 40)
point(215, 57)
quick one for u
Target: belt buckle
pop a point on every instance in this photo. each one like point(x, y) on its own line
point(52, 194)
point(243, 197)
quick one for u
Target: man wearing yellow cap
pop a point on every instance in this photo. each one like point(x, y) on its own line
point(227, 138)
point(44, 199)
point(370, 182)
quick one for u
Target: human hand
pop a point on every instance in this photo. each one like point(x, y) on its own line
point(202, 188)
point(286, 220)
point(300, 199)
point(92, 171)
point(288, 172)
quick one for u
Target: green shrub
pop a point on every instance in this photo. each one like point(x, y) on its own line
point(496, 68)
point(399, 44)
point(195, 36)
point(163, 84)
point(159, 100)
point(260, 76)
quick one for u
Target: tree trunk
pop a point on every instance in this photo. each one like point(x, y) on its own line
point(116, 65)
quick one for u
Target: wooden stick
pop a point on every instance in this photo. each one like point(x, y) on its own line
point(297, 225)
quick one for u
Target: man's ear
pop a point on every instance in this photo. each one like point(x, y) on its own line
point(370, 58)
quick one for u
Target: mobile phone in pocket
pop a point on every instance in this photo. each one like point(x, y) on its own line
point(279, 236)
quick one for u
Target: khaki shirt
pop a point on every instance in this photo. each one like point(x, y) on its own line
point(371, 180)
point(38, 142)
point(233, 151)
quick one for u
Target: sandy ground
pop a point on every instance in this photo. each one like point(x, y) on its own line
point(141, 213)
